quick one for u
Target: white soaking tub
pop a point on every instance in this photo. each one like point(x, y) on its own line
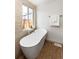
point(32, 44)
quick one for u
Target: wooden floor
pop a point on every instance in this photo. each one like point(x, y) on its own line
point(49, 51)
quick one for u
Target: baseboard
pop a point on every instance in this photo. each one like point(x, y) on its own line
point(56, 43)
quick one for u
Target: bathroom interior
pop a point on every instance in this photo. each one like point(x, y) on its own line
point(38, 29)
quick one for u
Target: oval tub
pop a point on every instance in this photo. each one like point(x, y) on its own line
point(32, 44)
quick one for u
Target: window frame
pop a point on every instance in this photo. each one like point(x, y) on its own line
point(34, 17)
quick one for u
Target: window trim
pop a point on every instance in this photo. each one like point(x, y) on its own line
point(34, 18)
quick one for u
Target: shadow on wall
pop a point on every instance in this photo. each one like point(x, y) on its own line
point(19, 33)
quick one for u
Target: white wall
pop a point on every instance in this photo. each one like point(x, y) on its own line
point(44, 10)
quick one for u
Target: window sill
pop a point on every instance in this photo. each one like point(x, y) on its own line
point(29, 30)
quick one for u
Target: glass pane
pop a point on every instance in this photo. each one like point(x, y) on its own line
point(30, 17)
point(24, 12)
point(30, 14)
point(30, 10)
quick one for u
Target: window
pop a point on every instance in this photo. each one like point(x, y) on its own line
point(27, 17)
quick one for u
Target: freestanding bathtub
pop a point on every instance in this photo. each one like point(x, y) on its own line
point(32, 44)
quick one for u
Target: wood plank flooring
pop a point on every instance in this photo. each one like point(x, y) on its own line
point(49, 51)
